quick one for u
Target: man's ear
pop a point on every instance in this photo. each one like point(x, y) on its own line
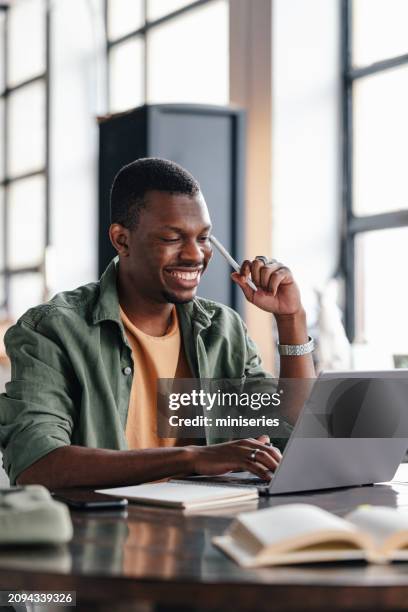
point(119, 237)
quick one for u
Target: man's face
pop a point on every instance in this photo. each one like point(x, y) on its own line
point(169, 248)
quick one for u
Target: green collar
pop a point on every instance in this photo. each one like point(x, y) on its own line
point(107, 307)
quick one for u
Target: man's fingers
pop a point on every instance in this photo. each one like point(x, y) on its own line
point(258, 470)
point(255, 269)
point(240, 280)
point(283, 275)
point(262, 455)
point(265, 276)
point(245, 268)
point(265, 439)
point(266, 460)
point(271, 450)
point(266, 273)
point(277, 452)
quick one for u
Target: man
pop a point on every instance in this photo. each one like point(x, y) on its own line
point(80, 407)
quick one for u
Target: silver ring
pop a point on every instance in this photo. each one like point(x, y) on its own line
point(253, 454)
point(265, 259)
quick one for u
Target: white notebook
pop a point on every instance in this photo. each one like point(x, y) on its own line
point(301, 533)
point(186, 496)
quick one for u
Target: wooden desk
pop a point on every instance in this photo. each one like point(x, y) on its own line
point(157, 556)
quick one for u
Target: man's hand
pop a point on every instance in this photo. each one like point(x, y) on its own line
point(79, 466)
point(220, 458)
point(277, 291)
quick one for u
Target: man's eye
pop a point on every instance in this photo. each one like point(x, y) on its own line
point(203, 238)
point(170, 239)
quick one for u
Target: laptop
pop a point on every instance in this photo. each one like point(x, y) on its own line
point(352, 431)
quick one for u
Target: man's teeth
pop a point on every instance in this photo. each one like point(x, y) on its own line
point(185, 275)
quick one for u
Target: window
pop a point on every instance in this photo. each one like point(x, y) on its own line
point(375, 128)
point(167, 51)
point(24, 139)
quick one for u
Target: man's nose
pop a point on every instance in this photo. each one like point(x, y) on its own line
point(192, 251)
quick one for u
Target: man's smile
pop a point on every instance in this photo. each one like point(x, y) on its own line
point(183, 278)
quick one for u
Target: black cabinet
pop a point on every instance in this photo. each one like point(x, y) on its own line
point(206, 140)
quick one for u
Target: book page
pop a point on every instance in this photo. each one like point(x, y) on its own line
point(388, 527)
point(181, 494)
point(292, 525)
point(324, 552)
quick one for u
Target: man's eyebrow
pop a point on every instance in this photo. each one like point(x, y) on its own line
point(181, 231)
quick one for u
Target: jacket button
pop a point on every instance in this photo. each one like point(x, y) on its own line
point(127, 371)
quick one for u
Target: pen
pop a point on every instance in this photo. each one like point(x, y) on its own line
point(231, 260)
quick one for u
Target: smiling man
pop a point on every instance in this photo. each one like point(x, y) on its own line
point(80, 409)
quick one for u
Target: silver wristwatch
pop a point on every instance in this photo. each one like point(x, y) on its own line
point(296, 350)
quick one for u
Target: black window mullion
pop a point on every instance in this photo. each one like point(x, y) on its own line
point(372, 223)
point(347, 135)
point(388, 64)
point(25, 175)
point(30, 81)
point(148, 25)
point(9, 272)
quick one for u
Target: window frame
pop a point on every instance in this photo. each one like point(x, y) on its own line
point(142, 33)
point(7, 272)
point(353, 225)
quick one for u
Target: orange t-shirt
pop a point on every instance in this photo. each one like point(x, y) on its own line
point(153, 357)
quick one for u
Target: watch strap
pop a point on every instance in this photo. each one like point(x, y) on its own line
point(297, 350)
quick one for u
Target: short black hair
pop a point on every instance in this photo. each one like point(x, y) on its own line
point(133, 181)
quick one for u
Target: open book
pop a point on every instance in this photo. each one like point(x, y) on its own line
point(301, 533)
point(185, 496)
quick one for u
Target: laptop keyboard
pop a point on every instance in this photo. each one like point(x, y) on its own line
point(240, 481)
point(253, 481)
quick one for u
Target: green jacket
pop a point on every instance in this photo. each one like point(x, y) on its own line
point(72, 369)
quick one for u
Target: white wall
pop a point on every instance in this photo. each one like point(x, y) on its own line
point(77, 96)
point(306, 139)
